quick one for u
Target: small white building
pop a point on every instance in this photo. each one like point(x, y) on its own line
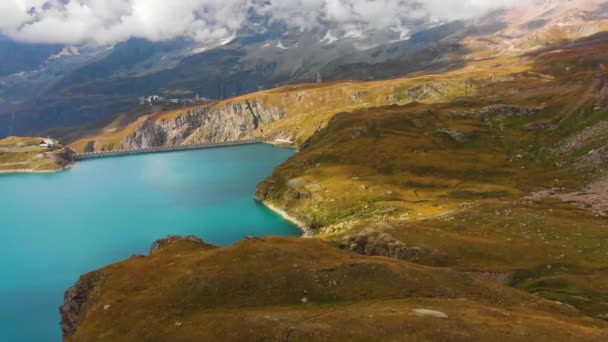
point(48, 143)
point(155, 98)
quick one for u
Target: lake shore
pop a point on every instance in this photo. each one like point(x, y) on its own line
point(26, 171)
point(307, 232)
point(32, 171)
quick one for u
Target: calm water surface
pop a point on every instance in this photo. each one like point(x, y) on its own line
point(55, 227)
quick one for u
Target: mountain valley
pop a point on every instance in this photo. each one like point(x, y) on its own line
point(450, 178)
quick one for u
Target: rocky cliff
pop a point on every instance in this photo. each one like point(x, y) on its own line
point(212, 123)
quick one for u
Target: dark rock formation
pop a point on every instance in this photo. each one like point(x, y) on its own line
point(600, 86)
point(63, 157)
point(376, 241)
point(453, 134)
point(90, 146)
point(510, 110)
point(599, 81)
point(539, 126)
point(76, 298)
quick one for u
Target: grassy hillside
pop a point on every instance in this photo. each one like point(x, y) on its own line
point(187, 291)
point(474, 184)
point(19, 154)
point(486, 204)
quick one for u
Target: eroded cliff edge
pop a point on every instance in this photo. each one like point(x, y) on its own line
point(222, 123)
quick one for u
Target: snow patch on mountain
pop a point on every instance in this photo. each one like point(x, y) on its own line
point(229, 39)
point(328, 39)
point(354, 34)
point(281, 46)
point(404, 32)
point(66, 52)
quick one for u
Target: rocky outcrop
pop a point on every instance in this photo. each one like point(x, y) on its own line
point(76, 300)
point(452, 134)
point(585, 139)
point(426, 91)
point(538, 126)
point(166, 132)
point(205, 124)
point(161, 244)
point(234, 120)
point(599, 81)
point(600, 87)
point(501, 110)
point(509, 111)
point(376, 241)
point(62, 157)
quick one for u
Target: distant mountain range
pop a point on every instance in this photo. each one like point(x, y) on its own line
point(59, 86)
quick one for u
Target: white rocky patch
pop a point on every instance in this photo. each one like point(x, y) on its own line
point(430, 313)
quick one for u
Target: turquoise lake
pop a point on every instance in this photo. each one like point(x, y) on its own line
point(56, 227)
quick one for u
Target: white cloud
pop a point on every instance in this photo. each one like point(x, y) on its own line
point(111, 21)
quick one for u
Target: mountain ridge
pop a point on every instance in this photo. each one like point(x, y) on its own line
point(252, 61)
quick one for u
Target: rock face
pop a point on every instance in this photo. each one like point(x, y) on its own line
point(453, 134)
point(599, 81)
point(76, 300)
point(510, 111)
point(501, 110)
point(62, 157)
point(376, 241)
point(172, 239)
point(589, 149)
point(211, 123)
point(426, 92)
point(600, 86)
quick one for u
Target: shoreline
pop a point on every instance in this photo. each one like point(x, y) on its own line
point(31, 171)
point(307, 233)
point(282, 144)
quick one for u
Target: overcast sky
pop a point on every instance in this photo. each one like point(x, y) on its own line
point(111, 21)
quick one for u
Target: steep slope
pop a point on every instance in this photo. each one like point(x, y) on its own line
point(186, 290)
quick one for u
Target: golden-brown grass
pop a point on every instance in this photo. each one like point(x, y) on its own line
point(302, 289)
